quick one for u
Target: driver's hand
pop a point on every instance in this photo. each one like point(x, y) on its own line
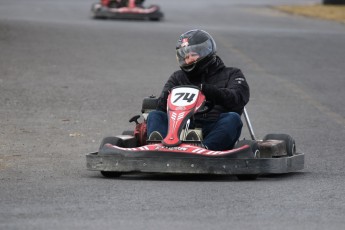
point(210, 91)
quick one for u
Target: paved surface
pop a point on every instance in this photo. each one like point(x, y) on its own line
point(66, 81)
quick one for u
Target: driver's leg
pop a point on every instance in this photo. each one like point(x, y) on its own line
point(157, 121)
point(222, 134)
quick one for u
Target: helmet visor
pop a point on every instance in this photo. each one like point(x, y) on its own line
point(189, 55)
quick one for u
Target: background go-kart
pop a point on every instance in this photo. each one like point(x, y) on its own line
point(66, 81)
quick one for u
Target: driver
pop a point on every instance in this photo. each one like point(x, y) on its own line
point(225, 87)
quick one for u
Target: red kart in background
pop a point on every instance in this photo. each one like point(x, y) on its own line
point(132, 152)
point(125, 9)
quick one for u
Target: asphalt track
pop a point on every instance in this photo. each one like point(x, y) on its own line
point(66, 81)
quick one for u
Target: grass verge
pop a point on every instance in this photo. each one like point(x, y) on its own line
point(328, 12)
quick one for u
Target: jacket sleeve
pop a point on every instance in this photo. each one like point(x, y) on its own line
point(234, 96)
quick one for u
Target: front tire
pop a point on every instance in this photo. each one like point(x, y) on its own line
point(111, 140)
point(253, 145)
point(256, 154)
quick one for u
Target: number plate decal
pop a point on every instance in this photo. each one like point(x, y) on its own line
point(184, 96)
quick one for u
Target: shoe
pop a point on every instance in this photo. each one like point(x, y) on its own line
point(155, 136)
point(193, 136)
point(203, 146)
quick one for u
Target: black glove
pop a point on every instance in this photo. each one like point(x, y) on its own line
point(211, 92)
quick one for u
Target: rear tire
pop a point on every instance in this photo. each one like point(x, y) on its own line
point(109, 174)
point(149, 103)
point(289, 142)
point(128, 132)
point(247, 177)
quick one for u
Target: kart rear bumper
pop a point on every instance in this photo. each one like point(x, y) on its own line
point(194, 165)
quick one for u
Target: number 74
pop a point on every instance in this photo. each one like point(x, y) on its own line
point(184, 96)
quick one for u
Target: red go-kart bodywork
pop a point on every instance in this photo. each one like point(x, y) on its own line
point(108, 9)
point(132, 152)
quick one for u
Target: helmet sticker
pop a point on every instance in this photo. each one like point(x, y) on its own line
point(184, 42)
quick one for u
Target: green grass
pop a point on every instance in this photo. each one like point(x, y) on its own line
point(335, 13)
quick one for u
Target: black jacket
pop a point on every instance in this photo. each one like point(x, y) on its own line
point(226, 87)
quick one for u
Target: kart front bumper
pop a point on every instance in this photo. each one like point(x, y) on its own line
point(197, 165)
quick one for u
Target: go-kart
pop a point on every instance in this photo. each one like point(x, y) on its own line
point(111, 9)
point(133, 152)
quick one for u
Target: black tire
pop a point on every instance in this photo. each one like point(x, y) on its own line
point(114, 141)
point(153, 19)
point(109, 174)
point(289, 141)
point(253, 145)
point(247, 177)
point(255, 149)
point(149, 103)
point(128, 132)
point(111, 140)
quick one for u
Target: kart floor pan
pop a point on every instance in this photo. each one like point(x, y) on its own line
point(225, 166)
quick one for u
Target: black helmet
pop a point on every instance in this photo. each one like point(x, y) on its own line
point(199, 42)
